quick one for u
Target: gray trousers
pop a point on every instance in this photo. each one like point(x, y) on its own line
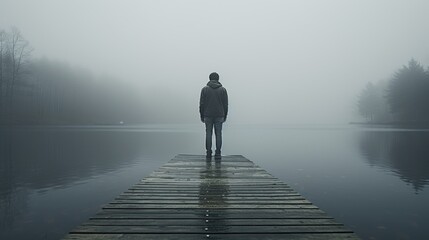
point(216, 123)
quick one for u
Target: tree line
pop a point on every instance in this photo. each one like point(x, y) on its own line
point(42, 91)
point(403, 98)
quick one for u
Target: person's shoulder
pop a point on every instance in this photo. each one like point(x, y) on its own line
point(205, 89)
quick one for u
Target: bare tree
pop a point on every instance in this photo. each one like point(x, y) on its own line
point(16, 53)
point(2, 81)
point(19, 53)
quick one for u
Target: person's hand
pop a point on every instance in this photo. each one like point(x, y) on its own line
point(202, 120)
point(224, 119)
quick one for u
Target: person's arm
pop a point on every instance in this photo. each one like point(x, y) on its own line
point(202, 103)
point(225, 104)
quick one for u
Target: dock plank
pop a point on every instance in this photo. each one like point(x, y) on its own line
point(210, 229)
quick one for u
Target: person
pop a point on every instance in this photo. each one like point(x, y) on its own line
point(213, 112)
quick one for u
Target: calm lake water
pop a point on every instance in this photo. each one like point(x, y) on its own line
point(374, 180)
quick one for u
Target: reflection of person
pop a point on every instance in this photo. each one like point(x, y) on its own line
point(213, 197)
point(213, 112)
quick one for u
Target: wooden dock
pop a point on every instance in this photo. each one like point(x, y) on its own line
point(192, 198)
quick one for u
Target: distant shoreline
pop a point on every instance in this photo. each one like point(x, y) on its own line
point(393, 124)
point(84, 125)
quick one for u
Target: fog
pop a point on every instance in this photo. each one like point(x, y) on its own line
point(287, 62)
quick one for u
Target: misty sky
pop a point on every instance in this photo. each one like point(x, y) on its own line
point(281, 61)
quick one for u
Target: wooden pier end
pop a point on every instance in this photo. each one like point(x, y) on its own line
point(190, 197)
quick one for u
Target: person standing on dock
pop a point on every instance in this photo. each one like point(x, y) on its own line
point(213, 112)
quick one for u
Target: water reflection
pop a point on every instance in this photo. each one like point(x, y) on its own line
point(38, 162)
point(213, 196)
point(42, 160)
point(403, 152)
point(12, 203)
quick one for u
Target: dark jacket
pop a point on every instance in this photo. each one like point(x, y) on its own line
point(213, 100)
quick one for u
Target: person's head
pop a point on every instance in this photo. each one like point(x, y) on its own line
point(214, 76)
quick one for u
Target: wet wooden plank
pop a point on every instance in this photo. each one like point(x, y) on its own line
point(196, 197)
point(215, 216)
point(220, 205)
point(182, 193)
point(205, 222)
point(178, 214)
point(210, 190)
point(307, 236)
point(165, 180)
point(211, 229)
point(211, 186)
point(210, 200)
point(192, 198)
point(216, 186)
point(231, 212)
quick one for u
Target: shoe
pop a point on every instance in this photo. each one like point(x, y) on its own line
point(217, 155)
point(209, 154)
